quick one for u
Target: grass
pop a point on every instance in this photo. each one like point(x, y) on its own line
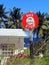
point(42, 61)
point(26, 61)
point(17, 61)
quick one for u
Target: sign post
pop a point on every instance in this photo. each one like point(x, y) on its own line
point(30, 22)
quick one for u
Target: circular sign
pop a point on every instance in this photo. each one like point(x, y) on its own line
point(30, 20)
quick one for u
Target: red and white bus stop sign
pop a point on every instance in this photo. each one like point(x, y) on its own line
point(30, 20)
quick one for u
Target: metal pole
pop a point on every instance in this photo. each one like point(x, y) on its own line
point(31, 45)
point(31, 48)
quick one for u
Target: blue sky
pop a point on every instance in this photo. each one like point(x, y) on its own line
point(27, 5)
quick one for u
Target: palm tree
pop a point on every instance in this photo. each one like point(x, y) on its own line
point(42, 29)
point(2, 16)
point(43, 24)
point(15, 15)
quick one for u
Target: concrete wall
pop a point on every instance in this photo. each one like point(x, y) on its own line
point(13, 40)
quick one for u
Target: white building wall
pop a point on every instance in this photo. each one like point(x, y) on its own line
point(19, 44)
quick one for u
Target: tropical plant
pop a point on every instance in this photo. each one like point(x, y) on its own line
point(3, 16)
point(43, 31)
point(43, 24)
point(15, 15)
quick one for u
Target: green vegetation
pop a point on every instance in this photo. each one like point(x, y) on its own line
point(26, 61)
point(42, 61)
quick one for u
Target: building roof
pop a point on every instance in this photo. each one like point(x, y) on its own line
point(12, 32)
